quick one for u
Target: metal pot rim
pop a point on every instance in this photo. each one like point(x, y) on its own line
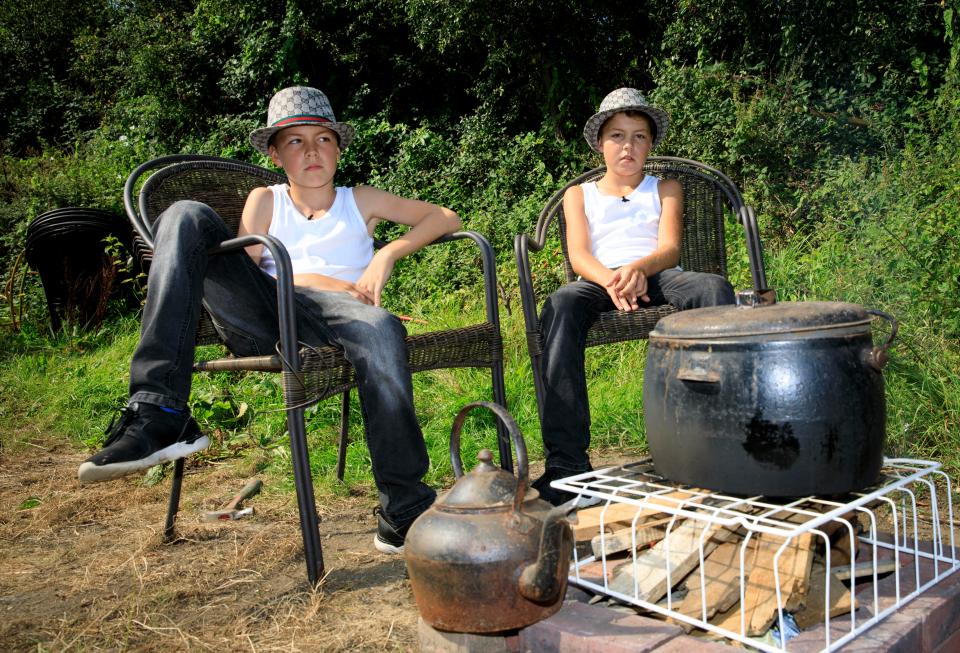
point(804, 319)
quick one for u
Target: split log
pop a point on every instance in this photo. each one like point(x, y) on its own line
point(616, 516)
point(814, 608)
point(760, 595)
point(759, 608)
point(721, 573)
point(624, 540)
point(593, 571)
point(678, 553)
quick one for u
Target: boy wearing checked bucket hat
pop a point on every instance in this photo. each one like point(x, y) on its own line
point(623, 233)
point(327, 230)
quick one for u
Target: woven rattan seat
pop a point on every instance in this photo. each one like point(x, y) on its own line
point(709, 199)
point(315, 373)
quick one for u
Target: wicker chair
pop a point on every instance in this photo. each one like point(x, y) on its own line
point(709, 197)
point(316, 373)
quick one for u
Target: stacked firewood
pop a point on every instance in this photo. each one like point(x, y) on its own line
point(653, 555)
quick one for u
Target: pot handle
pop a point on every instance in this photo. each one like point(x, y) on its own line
point(878, 356)
point(519, 445)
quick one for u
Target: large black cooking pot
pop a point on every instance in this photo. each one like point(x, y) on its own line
point(782, 400)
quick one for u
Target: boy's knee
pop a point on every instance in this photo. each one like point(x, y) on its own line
point(379, 325)
point(186, 212)
point(563, 300)
point(716, 291)
point(188, 217)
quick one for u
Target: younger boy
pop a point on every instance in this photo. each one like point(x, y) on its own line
point(338, 278)
point(623, 235)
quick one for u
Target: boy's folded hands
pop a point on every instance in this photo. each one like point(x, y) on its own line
point(625, 285)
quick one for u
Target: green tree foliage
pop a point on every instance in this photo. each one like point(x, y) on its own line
point(41, 96)
point(175, 71)
point(838, 119)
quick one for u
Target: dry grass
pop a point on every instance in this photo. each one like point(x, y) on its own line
point(85, 568)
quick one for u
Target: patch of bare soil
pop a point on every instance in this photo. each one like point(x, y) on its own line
point(83, 568)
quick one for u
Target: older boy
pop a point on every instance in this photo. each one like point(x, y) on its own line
point(339, 280)
point(623, 234)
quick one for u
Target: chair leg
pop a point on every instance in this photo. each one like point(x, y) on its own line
point(300, 455)
point(173, 506)
point(539, 389)
point(306, 503)
point(504, 444)
point(344, 434)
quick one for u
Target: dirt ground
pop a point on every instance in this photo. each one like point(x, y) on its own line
point(84, 568)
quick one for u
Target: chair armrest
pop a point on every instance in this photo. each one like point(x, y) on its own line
point(285, 305)
point(522, 244)
point(489, 264)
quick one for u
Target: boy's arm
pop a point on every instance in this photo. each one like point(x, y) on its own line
point(427, 221)
point(256, 218)
point(580, 248)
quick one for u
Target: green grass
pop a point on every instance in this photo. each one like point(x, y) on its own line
point(70, 385)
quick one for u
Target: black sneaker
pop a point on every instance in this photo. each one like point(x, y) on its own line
point(389, 537)
point(144, 436)
point(555, 497)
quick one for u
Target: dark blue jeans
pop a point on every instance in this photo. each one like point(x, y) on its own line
point(243, 302)
point(566, 317)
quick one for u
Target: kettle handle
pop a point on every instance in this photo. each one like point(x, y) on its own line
point(519, 445)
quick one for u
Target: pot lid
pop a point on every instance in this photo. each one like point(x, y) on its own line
point(485, 486)
point(771, 319)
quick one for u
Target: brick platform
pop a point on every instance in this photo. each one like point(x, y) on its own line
point(929, 623)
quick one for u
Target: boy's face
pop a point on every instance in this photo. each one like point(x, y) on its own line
point(307, 153)
point(625, 142)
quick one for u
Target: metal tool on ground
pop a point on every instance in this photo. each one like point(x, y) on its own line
point(232, 510)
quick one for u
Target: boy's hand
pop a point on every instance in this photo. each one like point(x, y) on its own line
point(625, 285)
point(375, 277)
point(323, 282)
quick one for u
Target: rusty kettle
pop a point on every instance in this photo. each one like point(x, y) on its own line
point(489, 555)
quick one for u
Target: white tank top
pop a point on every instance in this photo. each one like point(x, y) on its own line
point(336, 245)
point(621, 232)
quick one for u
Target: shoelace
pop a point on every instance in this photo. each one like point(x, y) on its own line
point(118, 427)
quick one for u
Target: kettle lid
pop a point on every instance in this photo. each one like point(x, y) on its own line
point(485, 486)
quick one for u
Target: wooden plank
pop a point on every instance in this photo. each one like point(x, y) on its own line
point(623, 539)
point(813, 609)
point(621, 515)
point(760, 596)
point(721, 572)
point(593, 571)
point(678, 552)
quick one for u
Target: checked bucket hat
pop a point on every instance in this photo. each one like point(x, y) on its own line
point(624, 99)
point(300, 105)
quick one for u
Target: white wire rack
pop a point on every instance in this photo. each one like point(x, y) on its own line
point(897, 536)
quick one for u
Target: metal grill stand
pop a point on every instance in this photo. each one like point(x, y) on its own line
point(899, 525)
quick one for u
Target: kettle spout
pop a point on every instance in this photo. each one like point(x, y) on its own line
point(542, 581)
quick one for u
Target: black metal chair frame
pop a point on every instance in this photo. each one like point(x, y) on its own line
point(709, 196)
point(316, 372)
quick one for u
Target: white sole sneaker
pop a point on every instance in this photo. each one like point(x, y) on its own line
point(386, 547)
point(91, 473)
